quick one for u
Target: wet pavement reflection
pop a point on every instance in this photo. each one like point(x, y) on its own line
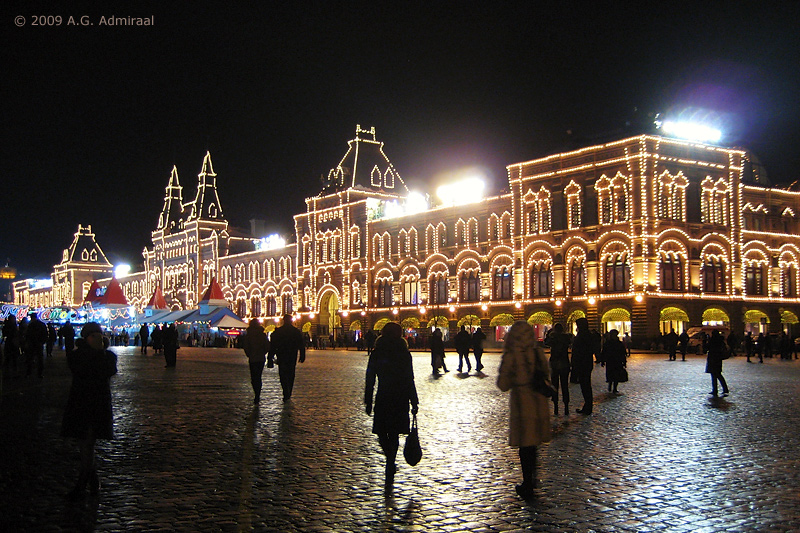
point(192, 452)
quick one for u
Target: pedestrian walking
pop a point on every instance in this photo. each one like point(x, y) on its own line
point(88, 413)
point(683, 343)
point(748, 345)
point(462, 343)
point(437, 352)
point(158, 339)
point(760, 345)
point(285, 343)
point(671, 344)
point(477, 347)
point(584, 350)
point(256, 347)
point(522, 363)
point(144, 338)
point(171, 345)
point(717, 351)
point(35, 338)
point(67, 332)
point(614, 358)
point(559, 342)
point(390, 363)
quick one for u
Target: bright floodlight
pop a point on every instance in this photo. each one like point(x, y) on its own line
point(392, 209)
point(416, 203)
point(271, 242)
point(466, 191)
point(121, 270)
point(692, 131)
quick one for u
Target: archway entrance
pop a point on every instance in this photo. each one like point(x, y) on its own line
point(329, 321)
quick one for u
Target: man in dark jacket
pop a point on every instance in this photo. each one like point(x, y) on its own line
point(144, 337)
point(463, 341)
point(285, 342)
point(35, 337)
point(583, 354)
point(67, 332)
point(559, 342)
point(256, 346)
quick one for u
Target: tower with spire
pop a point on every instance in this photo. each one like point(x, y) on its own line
point(206, 204)
point(172, 213)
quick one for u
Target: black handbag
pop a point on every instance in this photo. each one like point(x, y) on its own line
point(412, 450)
point(622, 375)
point(542, 385)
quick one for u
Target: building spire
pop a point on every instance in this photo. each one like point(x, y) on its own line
point(172, 212)
point(206, 204)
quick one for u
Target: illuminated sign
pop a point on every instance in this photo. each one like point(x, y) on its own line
point(19, 311)
point(8, 273)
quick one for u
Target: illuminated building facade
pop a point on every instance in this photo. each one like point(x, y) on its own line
point(641, 234)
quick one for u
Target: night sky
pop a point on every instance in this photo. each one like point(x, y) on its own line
point(95, 117)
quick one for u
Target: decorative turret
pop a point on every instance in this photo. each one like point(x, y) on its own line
point(365, 166)
point(206, 204)
point(172, 212)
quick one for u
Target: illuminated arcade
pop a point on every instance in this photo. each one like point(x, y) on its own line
point(640, 234)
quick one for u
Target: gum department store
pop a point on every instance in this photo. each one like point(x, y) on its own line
point(641, 234)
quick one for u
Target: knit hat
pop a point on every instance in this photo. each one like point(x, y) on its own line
point(89, 328)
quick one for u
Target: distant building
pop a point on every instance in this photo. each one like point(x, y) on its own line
point(641, 234)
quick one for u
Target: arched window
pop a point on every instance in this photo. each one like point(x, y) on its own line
point(411, 292)
point(754, 279)
point(713, 275)
point(576, 277)
point(503, 282)
point(540, 280)
point(438, 289)
point(671, 273)
point(617, 275)
point(789, 280)
point(272, 306)
point(572, 192)
point(241, 307)
point(255, 306)
point(287, 304)
point(470, 286)
point(714, 202)
point(384, 293)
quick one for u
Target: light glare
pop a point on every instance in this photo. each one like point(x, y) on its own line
point(691, 131)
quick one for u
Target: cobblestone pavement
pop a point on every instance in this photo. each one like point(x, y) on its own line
point(192, 453)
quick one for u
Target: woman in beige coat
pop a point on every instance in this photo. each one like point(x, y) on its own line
point(529, 420)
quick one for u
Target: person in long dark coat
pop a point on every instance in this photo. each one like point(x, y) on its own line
point(437, 352)
point(171, 346)
point(477, 347)
point(462, 343)
point(390, 363)
point(144, 338)
point(285, 342)
point(559, 342)
point(88, 415)
point(584, 350)
point(35, 338)
point(613, 357)
point(158, 339)
point(717, 351)
point(256, 347)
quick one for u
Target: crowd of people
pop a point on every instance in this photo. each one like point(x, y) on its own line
point(532, 378)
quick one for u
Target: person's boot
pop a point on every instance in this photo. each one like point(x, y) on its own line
point(388, 485)
point(566, 409)
point(555, 408)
